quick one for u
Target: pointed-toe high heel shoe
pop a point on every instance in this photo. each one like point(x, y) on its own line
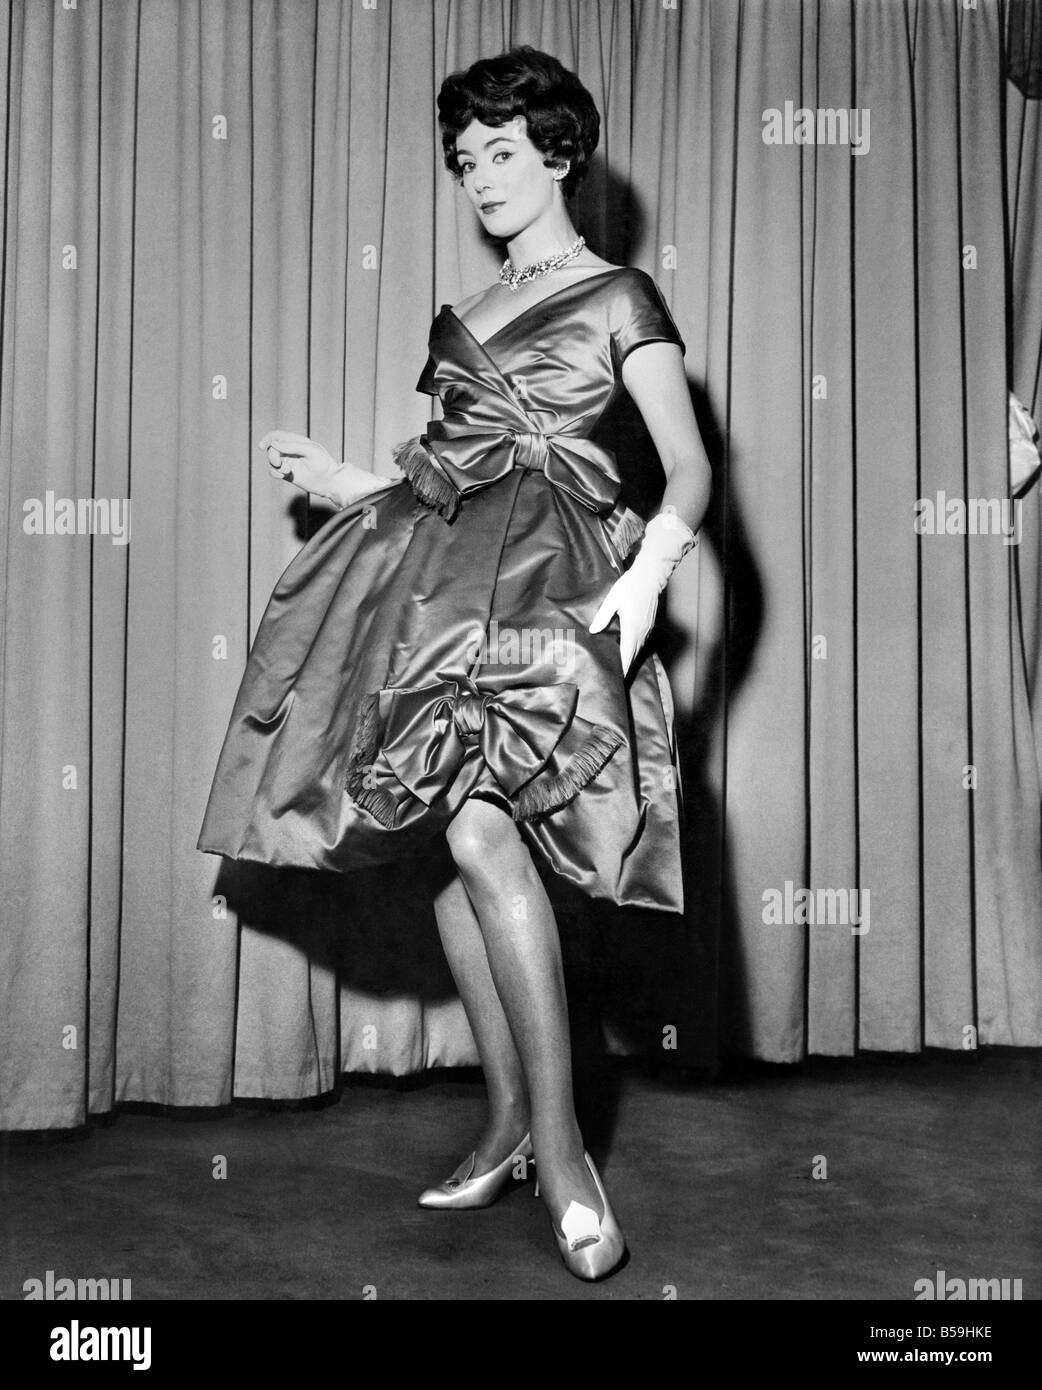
point(591, 1249)
point(462, 1192)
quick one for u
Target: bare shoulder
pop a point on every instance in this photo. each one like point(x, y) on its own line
point(472, 301)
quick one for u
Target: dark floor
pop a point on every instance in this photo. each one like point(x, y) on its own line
point(932, 1164)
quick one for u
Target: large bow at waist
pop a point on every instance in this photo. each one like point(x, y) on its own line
point(469, 456)
point(425, 734)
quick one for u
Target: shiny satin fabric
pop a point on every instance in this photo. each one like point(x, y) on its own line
point(405, 661)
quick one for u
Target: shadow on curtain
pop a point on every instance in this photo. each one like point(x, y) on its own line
point(221, 219)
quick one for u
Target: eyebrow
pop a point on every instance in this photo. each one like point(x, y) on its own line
point(494, 141)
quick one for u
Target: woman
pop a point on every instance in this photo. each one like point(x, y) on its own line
point(401, 685)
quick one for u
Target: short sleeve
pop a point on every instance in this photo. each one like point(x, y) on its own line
point(640, 315)
point(426, 383)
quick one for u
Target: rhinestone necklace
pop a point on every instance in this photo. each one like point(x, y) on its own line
point(512, 276)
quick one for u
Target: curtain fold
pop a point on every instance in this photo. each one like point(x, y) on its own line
point(224, 218)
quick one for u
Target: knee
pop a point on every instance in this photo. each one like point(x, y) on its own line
point(479, 837)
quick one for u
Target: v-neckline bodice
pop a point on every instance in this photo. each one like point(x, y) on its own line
point(565, 289)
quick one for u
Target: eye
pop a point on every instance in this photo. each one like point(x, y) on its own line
point(466, 166)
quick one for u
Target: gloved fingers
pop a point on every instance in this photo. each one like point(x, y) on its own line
point(635, 622)
point(609, 606)
point(632, 639)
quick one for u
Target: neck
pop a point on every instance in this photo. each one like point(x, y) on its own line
point(546, 236)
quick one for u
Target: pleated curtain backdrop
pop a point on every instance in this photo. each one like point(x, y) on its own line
point(223, 218)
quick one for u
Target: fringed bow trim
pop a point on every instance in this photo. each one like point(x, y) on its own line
point(429, 484)
point(627, 532)
point(360, 782)
point(549, 793)
point(412, 743)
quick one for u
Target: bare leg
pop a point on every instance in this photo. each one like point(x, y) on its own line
point(524, 956)
point(508, 1115)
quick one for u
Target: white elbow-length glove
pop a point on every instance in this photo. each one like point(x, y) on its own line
point(635, 594)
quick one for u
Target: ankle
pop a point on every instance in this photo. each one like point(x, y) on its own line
point(507, 1115)
point(559, 1148)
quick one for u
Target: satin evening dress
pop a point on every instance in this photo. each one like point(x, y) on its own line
point(430, 642)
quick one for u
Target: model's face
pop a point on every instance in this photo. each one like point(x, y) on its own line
point(504, 176)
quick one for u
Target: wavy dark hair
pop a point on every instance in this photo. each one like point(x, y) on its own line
point(562, 121)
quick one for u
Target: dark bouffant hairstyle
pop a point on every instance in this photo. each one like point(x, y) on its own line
point(562, 121)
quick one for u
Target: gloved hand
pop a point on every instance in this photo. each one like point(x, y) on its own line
point(301, 461)
point(635, 594)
